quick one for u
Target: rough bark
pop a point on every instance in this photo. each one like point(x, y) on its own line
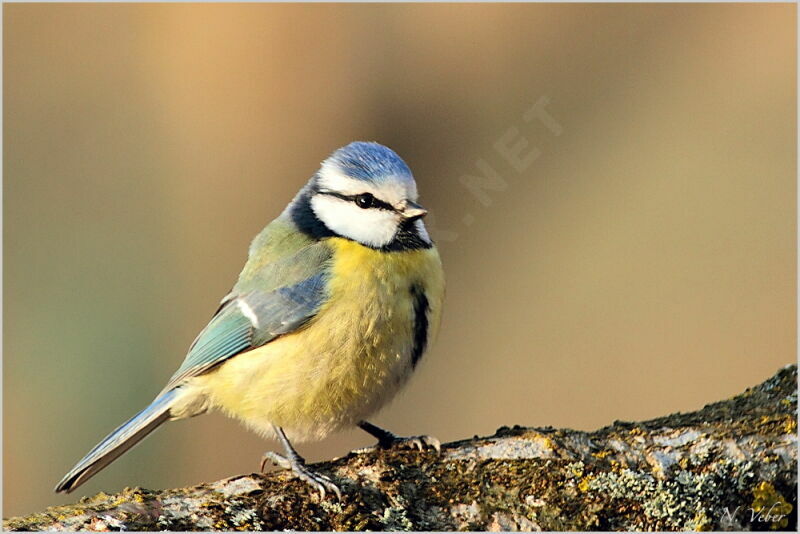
point(729, 466)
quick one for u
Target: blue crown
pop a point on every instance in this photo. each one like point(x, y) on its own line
point(371, 162)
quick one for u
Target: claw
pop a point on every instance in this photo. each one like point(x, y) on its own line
point(276, 459)
point(297, 465)
point(318, 481)
point(414, 442)
point(387, 440)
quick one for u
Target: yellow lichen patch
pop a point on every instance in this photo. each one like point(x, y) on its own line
point(770, 506)
point(576, 469)
point(701, 522)
point(779, 423)
point(790, 425)
point(583, 485)
point(602, 454)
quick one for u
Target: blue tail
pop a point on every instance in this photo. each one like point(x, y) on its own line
point(119, 441)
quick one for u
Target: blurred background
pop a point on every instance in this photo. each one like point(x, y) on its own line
point(636, 258)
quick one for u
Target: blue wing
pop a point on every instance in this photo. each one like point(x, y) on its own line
point(252, 319)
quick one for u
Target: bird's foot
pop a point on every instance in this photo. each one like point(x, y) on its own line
point(318, 481)
point(277, 459)
point(387, 440)
point(410, 442)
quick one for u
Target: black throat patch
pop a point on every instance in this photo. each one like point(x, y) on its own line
point(420, 324)
point(406, 238)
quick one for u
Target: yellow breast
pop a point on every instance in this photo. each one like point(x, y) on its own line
point(351, 357)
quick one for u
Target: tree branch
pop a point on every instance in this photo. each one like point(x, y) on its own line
point(729, 466)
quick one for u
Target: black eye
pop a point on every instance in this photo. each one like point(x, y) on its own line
point(364, 200)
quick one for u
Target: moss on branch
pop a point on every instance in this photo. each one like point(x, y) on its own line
point(729, 466)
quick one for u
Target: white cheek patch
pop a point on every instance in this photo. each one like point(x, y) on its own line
point(372, 227)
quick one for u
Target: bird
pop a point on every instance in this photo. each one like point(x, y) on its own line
point(337, 302)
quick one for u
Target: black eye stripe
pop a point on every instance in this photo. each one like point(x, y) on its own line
point(380, 204)
point(376, 202)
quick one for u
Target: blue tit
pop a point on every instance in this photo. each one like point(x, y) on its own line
point(336, 304)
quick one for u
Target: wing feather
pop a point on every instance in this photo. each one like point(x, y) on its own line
point(250, 317)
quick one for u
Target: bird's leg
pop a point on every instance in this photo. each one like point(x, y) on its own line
point(294, 462)
point(387, 440)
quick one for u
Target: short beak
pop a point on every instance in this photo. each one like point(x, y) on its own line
point(413, 211)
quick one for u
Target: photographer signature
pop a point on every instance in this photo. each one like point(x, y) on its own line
point(763, 515)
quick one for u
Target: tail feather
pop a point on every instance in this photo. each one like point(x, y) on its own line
point(118, 442)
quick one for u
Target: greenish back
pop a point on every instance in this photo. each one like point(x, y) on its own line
point(282, 285)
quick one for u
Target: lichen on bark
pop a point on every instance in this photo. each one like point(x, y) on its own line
point(730, 466)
